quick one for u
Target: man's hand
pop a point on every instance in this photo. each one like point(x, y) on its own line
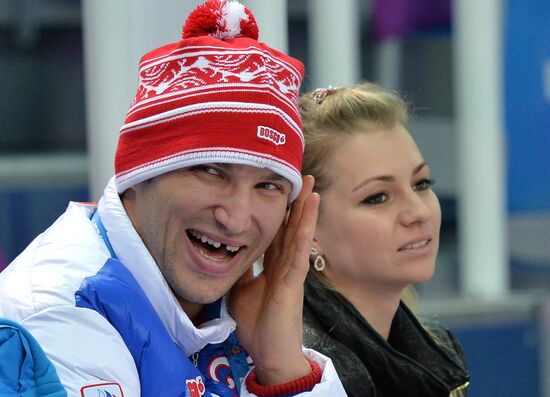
point(268, 309)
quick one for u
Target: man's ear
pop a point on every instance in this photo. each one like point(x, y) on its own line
point(128, 195)
point(129, 200)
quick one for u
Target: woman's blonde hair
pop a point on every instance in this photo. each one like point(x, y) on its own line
point(333, 114)
point(329, 115)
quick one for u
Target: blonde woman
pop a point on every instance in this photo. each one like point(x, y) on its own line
point(377, 234)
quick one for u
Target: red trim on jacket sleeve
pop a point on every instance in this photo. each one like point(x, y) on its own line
point(300, 385)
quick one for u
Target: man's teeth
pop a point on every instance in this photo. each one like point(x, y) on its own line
point(215, 244)
point(416, 245)
point(231, 249)
point(205, 239)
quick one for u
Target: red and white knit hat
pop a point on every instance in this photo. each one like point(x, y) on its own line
point(216, 96)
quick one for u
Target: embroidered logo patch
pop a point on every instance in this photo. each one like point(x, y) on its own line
point(272, 135)
point(102, 390)
point(220, 371)
point(195, 387)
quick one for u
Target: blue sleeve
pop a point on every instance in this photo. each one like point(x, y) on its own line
point(25, 370)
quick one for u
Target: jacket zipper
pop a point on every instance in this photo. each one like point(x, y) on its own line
point(457, 390)
point(195, 359)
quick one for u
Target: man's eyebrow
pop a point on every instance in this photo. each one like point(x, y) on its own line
point(272, 175)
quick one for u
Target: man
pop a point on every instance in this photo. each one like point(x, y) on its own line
point(131, 296)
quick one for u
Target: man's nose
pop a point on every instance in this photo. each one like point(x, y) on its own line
point(234, 212)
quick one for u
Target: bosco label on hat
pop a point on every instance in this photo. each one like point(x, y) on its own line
point(216, 96)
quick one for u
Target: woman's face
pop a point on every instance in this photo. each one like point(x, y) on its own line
point(379, 221)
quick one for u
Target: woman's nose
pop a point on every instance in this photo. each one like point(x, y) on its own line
point(415, 209)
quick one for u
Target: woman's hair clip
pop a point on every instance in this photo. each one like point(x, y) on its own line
point(320, 94)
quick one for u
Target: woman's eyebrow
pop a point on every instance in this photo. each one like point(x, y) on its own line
point(388, 178)
point(419, 167)
point(384, 178)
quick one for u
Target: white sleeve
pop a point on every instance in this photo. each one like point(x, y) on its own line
point(87, 352)
point(329, 386)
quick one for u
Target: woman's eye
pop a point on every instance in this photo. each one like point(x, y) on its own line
point(423, 184)
point(374, 199)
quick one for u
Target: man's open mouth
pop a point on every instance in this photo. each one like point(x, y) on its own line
point(212, 248)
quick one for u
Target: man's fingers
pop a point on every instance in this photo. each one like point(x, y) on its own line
point(301, 220)
point(273, 252)
point(303, 240)
point(297, 209)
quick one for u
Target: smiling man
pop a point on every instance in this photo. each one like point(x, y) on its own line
point(150, 291)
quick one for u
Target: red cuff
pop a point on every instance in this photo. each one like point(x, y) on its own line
point(300, 385)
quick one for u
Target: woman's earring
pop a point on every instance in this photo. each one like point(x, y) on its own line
point(319, 262)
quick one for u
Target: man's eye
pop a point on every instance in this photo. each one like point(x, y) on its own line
point(374, 199)
point(207, 169)
point(269, 186)
point(423, 184)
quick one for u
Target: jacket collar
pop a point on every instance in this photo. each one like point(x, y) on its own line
point(410, 363)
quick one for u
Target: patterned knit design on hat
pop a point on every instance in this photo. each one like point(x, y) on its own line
point(216, 96)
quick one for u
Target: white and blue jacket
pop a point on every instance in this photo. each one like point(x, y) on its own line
point(107, 319)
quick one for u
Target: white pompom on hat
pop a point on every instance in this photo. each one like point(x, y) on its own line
point(216, 96)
